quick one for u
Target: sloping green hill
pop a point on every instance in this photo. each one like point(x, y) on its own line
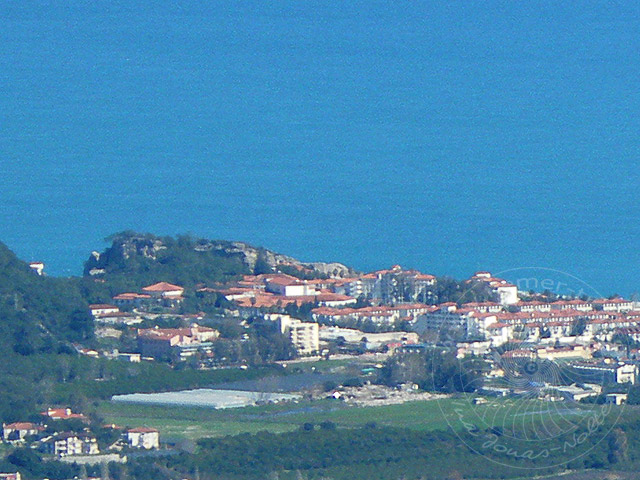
point(38, 312)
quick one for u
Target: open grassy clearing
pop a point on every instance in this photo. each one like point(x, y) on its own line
point(457, 413)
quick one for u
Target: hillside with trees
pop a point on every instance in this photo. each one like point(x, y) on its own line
point(39, 314)
point(134, 260)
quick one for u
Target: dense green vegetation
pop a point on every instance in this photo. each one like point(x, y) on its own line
point(31, 466)
point(447, 289)
point(31, 382)
point(39, 314)
point(384, 453)
point(434, 370)
point(136, 260)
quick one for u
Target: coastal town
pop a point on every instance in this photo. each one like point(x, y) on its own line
point(401, 313)
point(374, 320)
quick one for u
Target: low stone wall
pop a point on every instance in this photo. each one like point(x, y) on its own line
point(94, 459)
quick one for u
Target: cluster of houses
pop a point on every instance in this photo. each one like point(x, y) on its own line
point(395, 285)
point(78, 442)
point(569, 328)
point(534, 321)
point(580, 331)
point(161, 294)
point(255, 293)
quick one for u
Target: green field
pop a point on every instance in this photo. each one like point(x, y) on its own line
point(177, 423)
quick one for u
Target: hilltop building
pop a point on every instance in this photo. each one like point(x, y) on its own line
point(38, 268)
point(288, 286)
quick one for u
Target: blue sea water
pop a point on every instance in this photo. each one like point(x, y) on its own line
point(446, 136)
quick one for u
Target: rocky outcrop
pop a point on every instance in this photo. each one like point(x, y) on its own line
point(333, 270)
point(129, 244)
point(250, 256)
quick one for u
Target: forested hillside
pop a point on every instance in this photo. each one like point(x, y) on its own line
point(39, 314)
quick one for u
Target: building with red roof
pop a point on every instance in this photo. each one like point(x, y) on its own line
point(155, 342)
point(164, 290)
point(62, 414)
point(16, 432)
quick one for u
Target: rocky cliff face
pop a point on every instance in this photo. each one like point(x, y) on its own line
point(123, 247)
point(128, 245)
point(251, 254)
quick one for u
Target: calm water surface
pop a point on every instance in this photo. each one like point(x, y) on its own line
point(449, 137)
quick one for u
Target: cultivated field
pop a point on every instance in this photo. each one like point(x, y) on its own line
point(460, 414)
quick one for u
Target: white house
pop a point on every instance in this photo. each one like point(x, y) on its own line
point(288, 286)
point(143, 437)
point(37, 267)
point(508, 293)
point(16, 432)
point(616, 398)
point(102, 309)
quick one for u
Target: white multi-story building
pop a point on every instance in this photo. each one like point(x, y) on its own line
point(303, 335)
point(396, 285)
point(614, 304)
point(470, 323)
point(507, 293)
point(65, 444)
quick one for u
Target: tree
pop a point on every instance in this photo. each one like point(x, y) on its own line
point(578, 327)
point(436, 369)
point(262, 265)
point(618, 446)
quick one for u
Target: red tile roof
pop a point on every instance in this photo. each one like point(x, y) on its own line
point(61, 414)
point(284, 280)
point(162, 287)
point(131, 296)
